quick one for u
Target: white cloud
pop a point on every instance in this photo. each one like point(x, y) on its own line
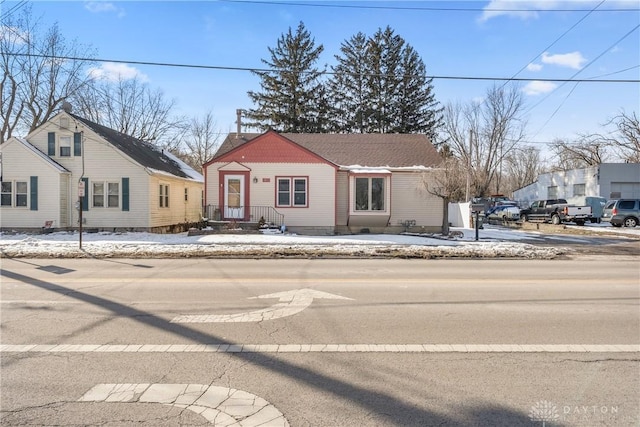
point(113, 72)
point(517, 9)
point(538, 87)
point(528, 9)
point(13, 35)
point(534, 67)
point(571, 60)
point(102, 7)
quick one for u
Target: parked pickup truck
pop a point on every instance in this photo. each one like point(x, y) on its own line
point(556, 211)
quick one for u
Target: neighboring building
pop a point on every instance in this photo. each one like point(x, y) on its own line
point(325, 183)
point(129, 184)
point(607, 180)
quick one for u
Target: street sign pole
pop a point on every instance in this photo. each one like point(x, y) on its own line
point(81, 190)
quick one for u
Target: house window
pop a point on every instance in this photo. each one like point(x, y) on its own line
point(7, 192)
point(109, 198)
point(98, 194)
point(292, 192)
point(164, 195)
point(65, 146)
point(579, 189)
point(369, 194)
point(14, 193)
point(21, 193)
point(113, 195)
point(552, 192)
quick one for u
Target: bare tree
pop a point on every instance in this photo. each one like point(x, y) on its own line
point(36, 80)
point(483, 134)
point(201, 140)
point(620, 143)
point(587, 151)
point(522, 167)
point(625, 139)
point(446, 182)
point(130, 106)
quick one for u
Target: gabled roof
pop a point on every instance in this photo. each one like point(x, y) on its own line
point(146, 154)
point(32, 148)
point(366, 150)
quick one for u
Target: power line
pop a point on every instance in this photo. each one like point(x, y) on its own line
point(418, 8)
point(266, 70)
point(577, 81)
point(13, 9)
point(560, 37)
point(616, 72)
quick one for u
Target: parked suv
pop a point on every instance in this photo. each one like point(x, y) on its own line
point(622, 212)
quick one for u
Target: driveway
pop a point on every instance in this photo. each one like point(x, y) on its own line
point(590, 239)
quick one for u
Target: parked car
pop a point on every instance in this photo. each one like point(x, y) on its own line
point(597, 205)
point(556, 211)
point(504, 213)
point(622, 212)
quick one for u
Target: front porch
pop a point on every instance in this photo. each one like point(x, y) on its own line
point(243, 217)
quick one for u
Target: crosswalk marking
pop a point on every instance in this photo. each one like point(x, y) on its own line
point(320, 348)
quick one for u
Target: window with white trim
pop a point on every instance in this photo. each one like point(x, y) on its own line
point(106, 194)
point(579, 189)
point(292, 192)
point(113, 194)
point(552, 192)
point(22, 194)
point(164, 195)
point(65, 146)
point(6, 188)
point(14, 194)
point(369, 194)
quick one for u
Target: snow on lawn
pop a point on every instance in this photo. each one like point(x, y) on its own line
point(492, 243)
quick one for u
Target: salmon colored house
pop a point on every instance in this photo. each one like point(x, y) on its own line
point(324, 184)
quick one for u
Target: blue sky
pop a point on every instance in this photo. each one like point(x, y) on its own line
point(471, 43)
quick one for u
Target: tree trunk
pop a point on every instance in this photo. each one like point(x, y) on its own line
point(445, 216)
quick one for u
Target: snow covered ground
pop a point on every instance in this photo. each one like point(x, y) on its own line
point(493, 242)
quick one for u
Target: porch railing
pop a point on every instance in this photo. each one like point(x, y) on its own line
point(244, 214)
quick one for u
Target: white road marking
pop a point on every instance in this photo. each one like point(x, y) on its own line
point(221, 406)
point(291, 302)
point(320, 348)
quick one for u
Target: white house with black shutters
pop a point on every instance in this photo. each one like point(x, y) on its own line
point(129, 184)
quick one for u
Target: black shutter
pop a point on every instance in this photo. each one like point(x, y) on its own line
point(34, 193)
point(77, 144)
point(52, 144)
point(125, 194)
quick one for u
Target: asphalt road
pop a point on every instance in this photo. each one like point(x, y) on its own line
point(328, 343)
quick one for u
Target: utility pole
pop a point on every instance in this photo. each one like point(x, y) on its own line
point(467, 195)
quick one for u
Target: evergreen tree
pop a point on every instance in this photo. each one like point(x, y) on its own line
point(292, 97)
point(349, 87)
point(418, 110)
point(380, 85)
point(385, 49)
